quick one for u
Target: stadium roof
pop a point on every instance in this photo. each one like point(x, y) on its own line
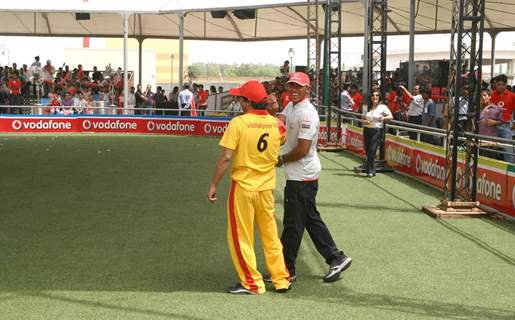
point(279, 19)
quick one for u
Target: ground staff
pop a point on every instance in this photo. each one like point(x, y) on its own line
point(254, 139)
point(302, 170)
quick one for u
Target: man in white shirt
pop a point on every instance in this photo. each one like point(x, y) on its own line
point(302, 169)
point(415, 109)
point(346, 101)
point(185, 100)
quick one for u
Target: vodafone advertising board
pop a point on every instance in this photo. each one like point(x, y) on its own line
point(153, 125)
point(495, 182)
point(172, 125)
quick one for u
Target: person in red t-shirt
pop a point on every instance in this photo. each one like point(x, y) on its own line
point(203, 96)
point(356, 97)
point(15, 90)
point(505, 99)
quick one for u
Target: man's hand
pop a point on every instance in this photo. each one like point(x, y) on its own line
point(211, 195)
point(279, 161)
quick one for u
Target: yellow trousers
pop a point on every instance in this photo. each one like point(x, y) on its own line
point(245, 208)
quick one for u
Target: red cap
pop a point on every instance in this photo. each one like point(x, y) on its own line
point(300, 78)
point(252, 90)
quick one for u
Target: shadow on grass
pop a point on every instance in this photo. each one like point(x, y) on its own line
point(103, 305)
point(404, 180)
point(480, 243)
point(333, 293)
point(505, 225)
point(379, 208)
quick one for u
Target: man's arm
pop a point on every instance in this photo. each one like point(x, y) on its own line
point(297, 153)
point(223, 162)
point(406, 91)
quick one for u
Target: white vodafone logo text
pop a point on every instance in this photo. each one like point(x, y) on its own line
point(151, 126)
point(86, 124)
point(16, 124)
point(213, 128)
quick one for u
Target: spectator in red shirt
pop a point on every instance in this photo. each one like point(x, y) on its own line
point(202, 99)
point(506, 101)
point(393, 104)
point(14, 85)
point(285, 98)
point(356, 97)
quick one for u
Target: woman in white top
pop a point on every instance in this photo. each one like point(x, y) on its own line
point(373, 129)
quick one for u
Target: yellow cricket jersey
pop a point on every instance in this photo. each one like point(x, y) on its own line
point(255, 138)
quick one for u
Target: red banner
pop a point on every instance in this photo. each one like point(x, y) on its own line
point(176, 126)
point(154, 125)
point(495, 183)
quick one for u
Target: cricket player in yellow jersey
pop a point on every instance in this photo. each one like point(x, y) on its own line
point(252, 142)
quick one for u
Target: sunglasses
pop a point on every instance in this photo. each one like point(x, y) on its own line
point(375, 95)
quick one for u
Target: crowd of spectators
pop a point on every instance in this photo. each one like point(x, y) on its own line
point(67, 91)
point(63, 90)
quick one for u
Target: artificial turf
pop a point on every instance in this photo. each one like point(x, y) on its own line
point(119, 227)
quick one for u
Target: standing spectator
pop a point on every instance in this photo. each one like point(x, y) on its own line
point(285, 69)
point(234, 107)
point(150, 102)
point(202, 99)
point(356, 97)
point(185, 100)
point(253, 140)
point(174, 100)
point(132, 101)
point(428, 117)
point(97, 76)
point(220, 89)
point(506, 100)
point(140, 100)
point(48, 77)
point(416, 108)
point(464, 107)
point(394, 104)
point(489, 118)
point(36, 62)
point(346, 102)
point(375, 117)
point(302, 169)
point(15, 92)
point(160, 100)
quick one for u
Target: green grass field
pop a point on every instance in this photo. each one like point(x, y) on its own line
point(119, 227)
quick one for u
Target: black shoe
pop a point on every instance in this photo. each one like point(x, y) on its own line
point(267, 277)
point(239, 289)
point(336, 269)
point(284, 290)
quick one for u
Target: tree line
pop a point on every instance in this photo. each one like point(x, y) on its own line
point(234, 70)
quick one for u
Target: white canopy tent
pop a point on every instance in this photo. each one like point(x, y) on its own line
point(182, 19)
point(280, 19)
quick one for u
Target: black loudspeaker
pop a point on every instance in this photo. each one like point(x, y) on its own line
point(301, 69)
point(245, 14)
point(82, 16)
point(218, 14)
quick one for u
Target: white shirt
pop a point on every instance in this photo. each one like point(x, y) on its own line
point(185, 97)
point(416, 107)
point(374, 116)
point(346, 102)
point(302, 122)
point(464, 108)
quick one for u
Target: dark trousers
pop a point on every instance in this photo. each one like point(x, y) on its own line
point(300, 213)
point(372, 137)
point(414, 120)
